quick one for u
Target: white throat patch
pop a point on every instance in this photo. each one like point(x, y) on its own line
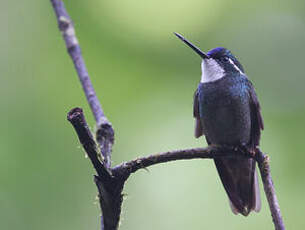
point(211, 71)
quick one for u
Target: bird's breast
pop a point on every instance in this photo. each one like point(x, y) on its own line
point(225, 111)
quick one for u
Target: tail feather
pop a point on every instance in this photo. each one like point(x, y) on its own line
point(239, 179)
point(258, 203)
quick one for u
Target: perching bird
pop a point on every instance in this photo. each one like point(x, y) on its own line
point(227, 112)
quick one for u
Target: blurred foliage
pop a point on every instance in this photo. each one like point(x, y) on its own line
point(145, 78)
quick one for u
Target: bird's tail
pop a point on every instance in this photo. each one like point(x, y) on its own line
point(239, 178)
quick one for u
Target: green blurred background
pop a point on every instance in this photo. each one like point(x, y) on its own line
point(145, 78)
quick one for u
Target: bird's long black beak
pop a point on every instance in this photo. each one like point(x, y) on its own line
point(197, 50)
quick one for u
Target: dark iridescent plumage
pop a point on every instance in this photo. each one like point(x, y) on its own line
point(227, 112)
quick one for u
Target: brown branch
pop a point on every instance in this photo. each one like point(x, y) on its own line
point(264, 166)
point(109, 187)
point(105, 132)
point(211, 152)
point(77, 119)
point(109, 195)
point(110, 181)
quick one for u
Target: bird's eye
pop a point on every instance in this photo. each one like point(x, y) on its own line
point(226, 59)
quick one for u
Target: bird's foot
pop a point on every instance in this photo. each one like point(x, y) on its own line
point(248, 151)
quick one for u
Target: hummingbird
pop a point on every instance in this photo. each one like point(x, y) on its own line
point(227, 112)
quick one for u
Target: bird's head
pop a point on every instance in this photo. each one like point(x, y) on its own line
point(216, 63)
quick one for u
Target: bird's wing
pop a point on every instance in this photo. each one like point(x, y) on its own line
point(198, 125)
point(257, 123)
